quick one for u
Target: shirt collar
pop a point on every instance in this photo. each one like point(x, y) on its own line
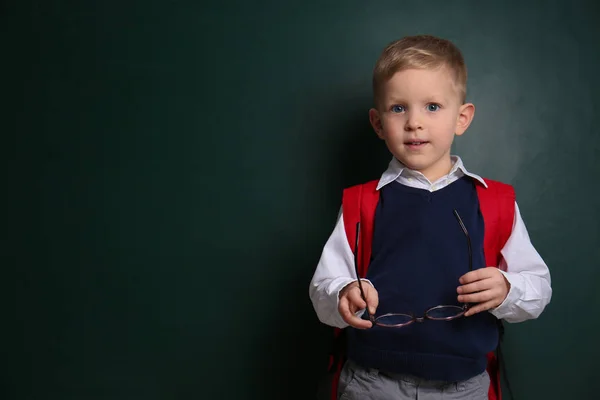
point(396, 168)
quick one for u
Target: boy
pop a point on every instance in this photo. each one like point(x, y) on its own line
point(425, 246)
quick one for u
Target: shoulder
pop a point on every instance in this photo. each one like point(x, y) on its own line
point(492, 182)
point(498, 185)
point(355, 196)
point(368, 185)
point(499, 188)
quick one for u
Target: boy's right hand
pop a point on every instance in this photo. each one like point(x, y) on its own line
point(351, 301)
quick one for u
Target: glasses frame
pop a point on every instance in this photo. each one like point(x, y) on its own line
point(412, 317)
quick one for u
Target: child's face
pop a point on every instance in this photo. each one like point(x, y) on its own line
point(418, 115)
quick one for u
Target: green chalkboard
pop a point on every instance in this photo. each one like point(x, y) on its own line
point(174, 168)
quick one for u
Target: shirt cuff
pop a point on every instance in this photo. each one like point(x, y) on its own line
point(508, 306)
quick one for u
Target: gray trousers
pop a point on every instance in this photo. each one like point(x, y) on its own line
point(357, 383)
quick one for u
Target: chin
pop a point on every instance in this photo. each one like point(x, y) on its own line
point(415, 165)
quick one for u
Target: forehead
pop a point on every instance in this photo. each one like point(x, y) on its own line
point(415, 84)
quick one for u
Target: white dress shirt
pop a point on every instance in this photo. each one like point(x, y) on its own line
point(529, 277)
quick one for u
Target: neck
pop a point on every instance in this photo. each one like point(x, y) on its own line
point(439, 170)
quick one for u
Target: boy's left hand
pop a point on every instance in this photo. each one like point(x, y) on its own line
point(486, 286)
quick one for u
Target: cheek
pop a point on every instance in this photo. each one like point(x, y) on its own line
point(393, 124)
point(393, 133)
point(445, 127)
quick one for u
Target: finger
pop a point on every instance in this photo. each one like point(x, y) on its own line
point(372, 299)
point(344, 308)
point(477, 275)
point(477, 286)
point(488, 305)
point(479, 297)
point(358, 322)
point(355, 299)
point(348, 315)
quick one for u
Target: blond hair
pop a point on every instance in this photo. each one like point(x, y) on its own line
point(420, 52)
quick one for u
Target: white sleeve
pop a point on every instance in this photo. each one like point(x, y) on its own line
point(334, 271)
point(528, 275)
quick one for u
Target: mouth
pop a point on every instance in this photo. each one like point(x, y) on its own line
point(415, 144)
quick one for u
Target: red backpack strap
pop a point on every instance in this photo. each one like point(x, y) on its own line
point(358, 205)
point(497, 205)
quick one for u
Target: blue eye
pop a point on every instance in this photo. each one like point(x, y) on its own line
point(433, 107)
point(397, 109)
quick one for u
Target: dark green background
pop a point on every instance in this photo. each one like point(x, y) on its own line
point(173, 169)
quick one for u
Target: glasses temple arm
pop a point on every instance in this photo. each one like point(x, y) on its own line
point(362, 293)
point(464, 229)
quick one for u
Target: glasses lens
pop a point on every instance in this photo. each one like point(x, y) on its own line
point(393, 319)
point(445, 312)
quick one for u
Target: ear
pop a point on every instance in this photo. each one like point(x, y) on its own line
point(466, 112)
point(376, 123)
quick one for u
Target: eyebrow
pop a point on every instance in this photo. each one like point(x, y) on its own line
point(430, 99)
point(437, 99)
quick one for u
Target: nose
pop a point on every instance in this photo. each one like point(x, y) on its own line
point(413, 121)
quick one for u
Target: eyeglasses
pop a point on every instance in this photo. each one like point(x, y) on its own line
point(437, 313)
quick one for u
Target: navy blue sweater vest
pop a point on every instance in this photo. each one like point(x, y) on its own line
point(419, 252)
